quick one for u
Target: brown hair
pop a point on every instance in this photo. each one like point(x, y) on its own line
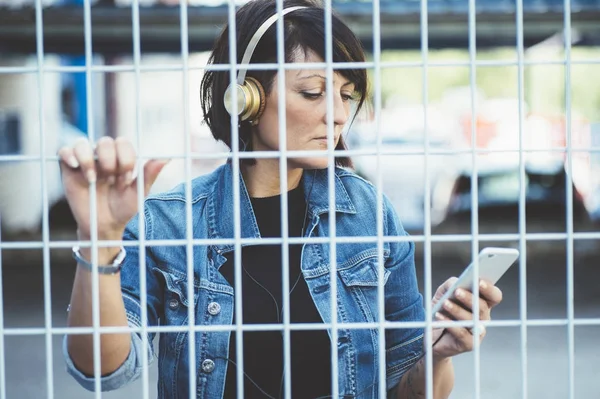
point(304, 30)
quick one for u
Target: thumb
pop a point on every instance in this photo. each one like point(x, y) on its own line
point(152, 169)
point(444, 287)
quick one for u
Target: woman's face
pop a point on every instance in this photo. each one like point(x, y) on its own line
point(306, 113)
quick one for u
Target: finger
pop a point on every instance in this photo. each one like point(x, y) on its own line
point(66, 156)
point(462, 335)
point(126, 159)
point(107, 159)
point(490, 292)
point(456, 311)
point(465, 299)
point(481, 330)
point(151, 172)
point(85, 157)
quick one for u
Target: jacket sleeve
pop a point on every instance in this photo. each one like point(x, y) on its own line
point(132, 368)
point(403, 302)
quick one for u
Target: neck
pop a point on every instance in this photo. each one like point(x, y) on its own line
point(263, 178)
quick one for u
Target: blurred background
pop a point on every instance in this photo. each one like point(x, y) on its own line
point(481, 124)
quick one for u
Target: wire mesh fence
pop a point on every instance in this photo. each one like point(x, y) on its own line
point(332, 240)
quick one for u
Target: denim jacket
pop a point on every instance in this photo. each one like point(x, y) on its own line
point(212, 212)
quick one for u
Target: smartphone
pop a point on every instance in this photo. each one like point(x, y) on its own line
point(493, 263)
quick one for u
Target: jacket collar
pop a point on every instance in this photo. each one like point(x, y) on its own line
point(316, 193)
point(220, 205)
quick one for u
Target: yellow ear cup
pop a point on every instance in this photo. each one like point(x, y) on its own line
point(250, 99)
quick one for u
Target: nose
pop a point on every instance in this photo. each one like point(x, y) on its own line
point(341, 111)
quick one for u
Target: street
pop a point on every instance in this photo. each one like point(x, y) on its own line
point(501, 370)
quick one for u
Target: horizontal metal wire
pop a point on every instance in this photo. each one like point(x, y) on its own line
point(306, 240)
point(270, 66)
point(547, 322)
point(306, 154)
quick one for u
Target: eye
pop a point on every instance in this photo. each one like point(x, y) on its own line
point(347, 97)
point(311, 96)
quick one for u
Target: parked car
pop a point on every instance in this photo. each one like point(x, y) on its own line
point(498, 209)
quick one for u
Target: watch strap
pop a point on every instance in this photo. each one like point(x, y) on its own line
point(113, 268)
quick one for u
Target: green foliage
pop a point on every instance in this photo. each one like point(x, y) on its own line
point(544, 85)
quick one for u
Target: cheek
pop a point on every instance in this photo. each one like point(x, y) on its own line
point(303, 119)
point(269, 123)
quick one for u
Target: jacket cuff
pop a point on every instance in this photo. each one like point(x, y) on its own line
point(127, 372)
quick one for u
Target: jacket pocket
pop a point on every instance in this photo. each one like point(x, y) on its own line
point(363, 270)
point(360, 288)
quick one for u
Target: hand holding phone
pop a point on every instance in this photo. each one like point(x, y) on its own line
point(493, 263)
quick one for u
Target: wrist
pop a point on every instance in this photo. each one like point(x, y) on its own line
point(107, 263)
point(102, 236)
point(439, 360)
point(106, 255)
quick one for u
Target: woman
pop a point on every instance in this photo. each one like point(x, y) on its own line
point(164, 218)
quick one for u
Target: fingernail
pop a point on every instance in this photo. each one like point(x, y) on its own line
point(91, 176)
point(439, 316)
point(128, 178)
point(482, 285)
point(72, 162)
point(460, 294)
point(448, 305)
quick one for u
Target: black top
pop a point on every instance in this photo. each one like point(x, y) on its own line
point(262, 292)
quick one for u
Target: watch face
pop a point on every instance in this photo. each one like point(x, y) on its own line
point(120, 257)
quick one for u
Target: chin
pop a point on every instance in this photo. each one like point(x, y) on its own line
point(310, 163)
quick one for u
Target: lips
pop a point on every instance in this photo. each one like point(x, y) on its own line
point(335, 138)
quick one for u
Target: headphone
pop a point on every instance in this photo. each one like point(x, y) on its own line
point(251, 95)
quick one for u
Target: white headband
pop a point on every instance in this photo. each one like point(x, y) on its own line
point(256, 38)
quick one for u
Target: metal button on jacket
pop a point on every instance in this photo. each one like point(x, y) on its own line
point(208, 366)
point(173, 303)
point(214, 308)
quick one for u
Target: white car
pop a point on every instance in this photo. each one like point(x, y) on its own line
point(403, 176)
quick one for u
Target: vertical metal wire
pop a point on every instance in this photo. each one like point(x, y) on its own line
point(569, 194)
point(87, 23)
point(522, 199)
point(135, 20)
point(45, 228)
point(189, 233)
point(331, 198)
point(427, 201)
point(283, 187)
point(2, 350)
point(235, 165)
point(474, 198)
point(381, 358)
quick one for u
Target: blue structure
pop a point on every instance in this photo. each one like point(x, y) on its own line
point(77, 83)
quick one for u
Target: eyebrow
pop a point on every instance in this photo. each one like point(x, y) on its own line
point(316, 75)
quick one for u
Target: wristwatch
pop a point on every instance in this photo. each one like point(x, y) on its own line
point(113, 268)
